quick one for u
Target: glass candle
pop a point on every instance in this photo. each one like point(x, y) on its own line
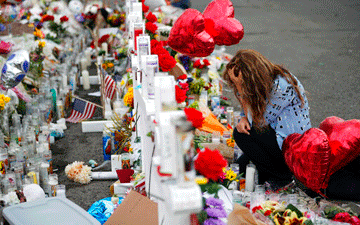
point(60, 190)
point(53, 181)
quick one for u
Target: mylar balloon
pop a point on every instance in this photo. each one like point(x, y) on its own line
point(15, 68)
point(308, 157)
point(229, 30)
point(189, 37)
point(344, 139)
point(76, 7)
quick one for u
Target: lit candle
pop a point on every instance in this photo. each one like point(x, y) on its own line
point(86, 79)
point(104, 47)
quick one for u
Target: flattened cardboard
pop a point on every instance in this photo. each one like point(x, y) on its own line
point(135, 209)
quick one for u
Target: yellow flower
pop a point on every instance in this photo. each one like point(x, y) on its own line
point(201, 181)
point(230, 174)
point(41, 44)
point(122, 82)
point(104, 66)
point(129, 98)
point(39, 33)
point(110, 65)
point(7, 99)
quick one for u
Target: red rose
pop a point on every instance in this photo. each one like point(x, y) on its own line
point(182, 77)
point(210, 164)
point(180, 94)
point(206, 62)
point(354, 220)
point(267, 213)
point(151, 17)
point(184, 86)
point(154, 45)
point(166, 62)
point(47, 18)
point(342, 217)
point(103, 39)
point(145, 8)
point(164, 43)
point(151, 27)
point(64, 19)
point(194, 116)
point(197, 64)
point(256, 208)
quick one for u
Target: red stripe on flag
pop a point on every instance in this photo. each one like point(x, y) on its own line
point(109, 87)
point(77, 116)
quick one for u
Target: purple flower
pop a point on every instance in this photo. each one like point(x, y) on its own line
point(213, 222)
point(214, 201)
point(216, 212)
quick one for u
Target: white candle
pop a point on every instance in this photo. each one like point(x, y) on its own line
point(84, 63)
point(60, 193)
point(250, 178)
point(104, 47)
point(85, 79)
point(88, 57)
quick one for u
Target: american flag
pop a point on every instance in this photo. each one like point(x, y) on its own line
point(110, 86)
point(81, 110)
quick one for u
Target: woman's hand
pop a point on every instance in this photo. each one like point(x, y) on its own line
point(243, 126)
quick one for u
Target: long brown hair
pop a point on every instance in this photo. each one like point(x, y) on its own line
point(256, 75)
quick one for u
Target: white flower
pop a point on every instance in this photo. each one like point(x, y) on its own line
point(11, 198)
point(78, 172)
point(213, 75)
point(94, 9)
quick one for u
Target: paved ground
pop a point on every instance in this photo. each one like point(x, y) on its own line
point(316, 40)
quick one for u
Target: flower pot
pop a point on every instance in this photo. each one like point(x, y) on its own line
point(124, 175)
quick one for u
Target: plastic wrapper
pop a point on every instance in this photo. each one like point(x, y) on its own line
point(15, 69)
point(103, 209)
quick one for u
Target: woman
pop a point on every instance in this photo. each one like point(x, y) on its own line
point(274, 106)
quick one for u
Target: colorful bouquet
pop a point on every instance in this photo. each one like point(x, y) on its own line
point(116, 19)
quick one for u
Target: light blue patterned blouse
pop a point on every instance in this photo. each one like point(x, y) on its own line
point(285, 114)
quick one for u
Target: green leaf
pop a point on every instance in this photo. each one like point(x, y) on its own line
point(213, 188)
point(202, 216)
point(308, 222)
point(294, 209)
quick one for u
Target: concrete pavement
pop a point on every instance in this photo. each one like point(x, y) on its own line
point(318, 41)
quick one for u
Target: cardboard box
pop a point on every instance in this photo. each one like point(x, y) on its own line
point(135, 209)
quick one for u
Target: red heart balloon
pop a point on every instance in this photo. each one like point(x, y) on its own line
point(308, 157)
point(230, 31)
point(188, 35)
point(344, 140)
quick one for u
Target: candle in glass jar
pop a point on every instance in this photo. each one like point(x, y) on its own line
point(137, 32)
point(86, 79)
point(104, 47)
point(250, 177)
